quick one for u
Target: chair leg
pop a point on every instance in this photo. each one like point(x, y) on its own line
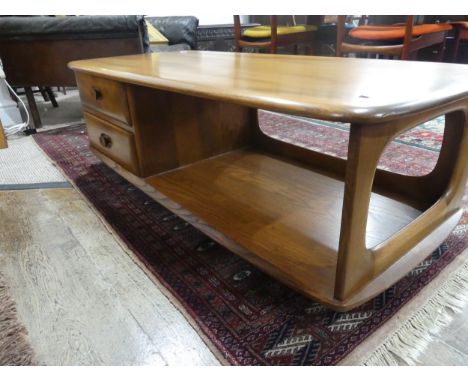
point(441, 50)
point(51, 95)
point(440, 53)
point(33, 107)
point(44, 94)
point(456, 47)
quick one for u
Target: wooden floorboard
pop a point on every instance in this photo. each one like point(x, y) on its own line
point(81, 297)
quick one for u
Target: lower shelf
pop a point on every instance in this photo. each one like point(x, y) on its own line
point(284, 213)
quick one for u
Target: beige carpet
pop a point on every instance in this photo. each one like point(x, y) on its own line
point(24, 163)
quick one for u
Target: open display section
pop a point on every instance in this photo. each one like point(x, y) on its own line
point(285, 213)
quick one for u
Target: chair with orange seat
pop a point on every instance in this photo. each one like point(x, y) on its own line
point(273, 36)
point(402, 40)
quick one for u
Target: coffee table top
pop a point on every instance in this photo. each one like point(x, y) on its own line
point(342, 89)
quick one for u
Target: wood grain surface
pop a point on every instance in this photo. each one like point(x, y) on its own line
point(173, 130)
point(333, 88)
point(104, 96)
point(272, 207)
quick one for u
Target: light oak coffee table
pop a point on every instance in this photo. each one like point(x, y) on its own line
point(184, 127)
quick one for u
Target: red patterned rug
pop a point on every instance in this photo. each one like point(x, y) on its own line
point(248, 316)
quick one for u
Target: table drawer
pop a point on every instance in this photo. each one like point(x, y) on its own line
point(113, 142)
point(105, 96)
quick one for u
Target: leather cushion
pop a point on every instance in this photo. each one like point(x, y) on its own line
point(22, 27)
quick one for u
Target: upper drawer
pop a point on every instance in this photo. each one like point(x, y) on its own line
point(105, 96)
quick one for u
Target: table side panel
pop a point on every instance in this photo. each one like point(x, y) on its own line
point(174, 130)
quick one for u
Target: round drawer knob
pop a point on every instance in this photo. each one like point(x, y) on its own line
point(105, 140)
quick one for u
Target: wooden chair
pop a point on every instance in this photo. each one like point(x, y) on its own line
point(397, 40)
point(273, 36)
point(461, 34)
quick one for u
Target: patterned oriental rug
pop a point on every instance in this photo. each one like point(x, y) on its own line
point(245, 316)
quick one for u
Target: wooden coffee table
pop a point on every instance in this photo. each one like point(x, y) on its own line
point(183, 126)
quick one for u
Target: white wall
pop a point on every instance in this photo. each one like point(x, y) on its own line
point(214, 19)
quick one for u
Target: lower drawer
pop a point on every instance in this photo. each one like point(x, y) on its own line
point(113, 142)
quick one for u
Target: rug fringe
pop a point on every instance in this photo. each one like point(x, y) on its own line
point(15, 349)
point(408, 342)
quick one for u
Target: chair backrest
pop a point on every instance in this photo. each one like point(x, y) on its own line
point(238, 31)
point(271, 43)
point(430, 19)
point(392, 19)
point(35, 50)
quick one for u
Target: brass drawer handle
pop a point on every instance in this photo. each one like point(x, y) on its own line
point(105, 140)
point(97, 93)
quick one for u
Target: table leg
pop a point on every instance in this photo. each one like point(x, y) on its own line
point(355, 262)
point(33, 107)
point(51, 96)
point(442, 191)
